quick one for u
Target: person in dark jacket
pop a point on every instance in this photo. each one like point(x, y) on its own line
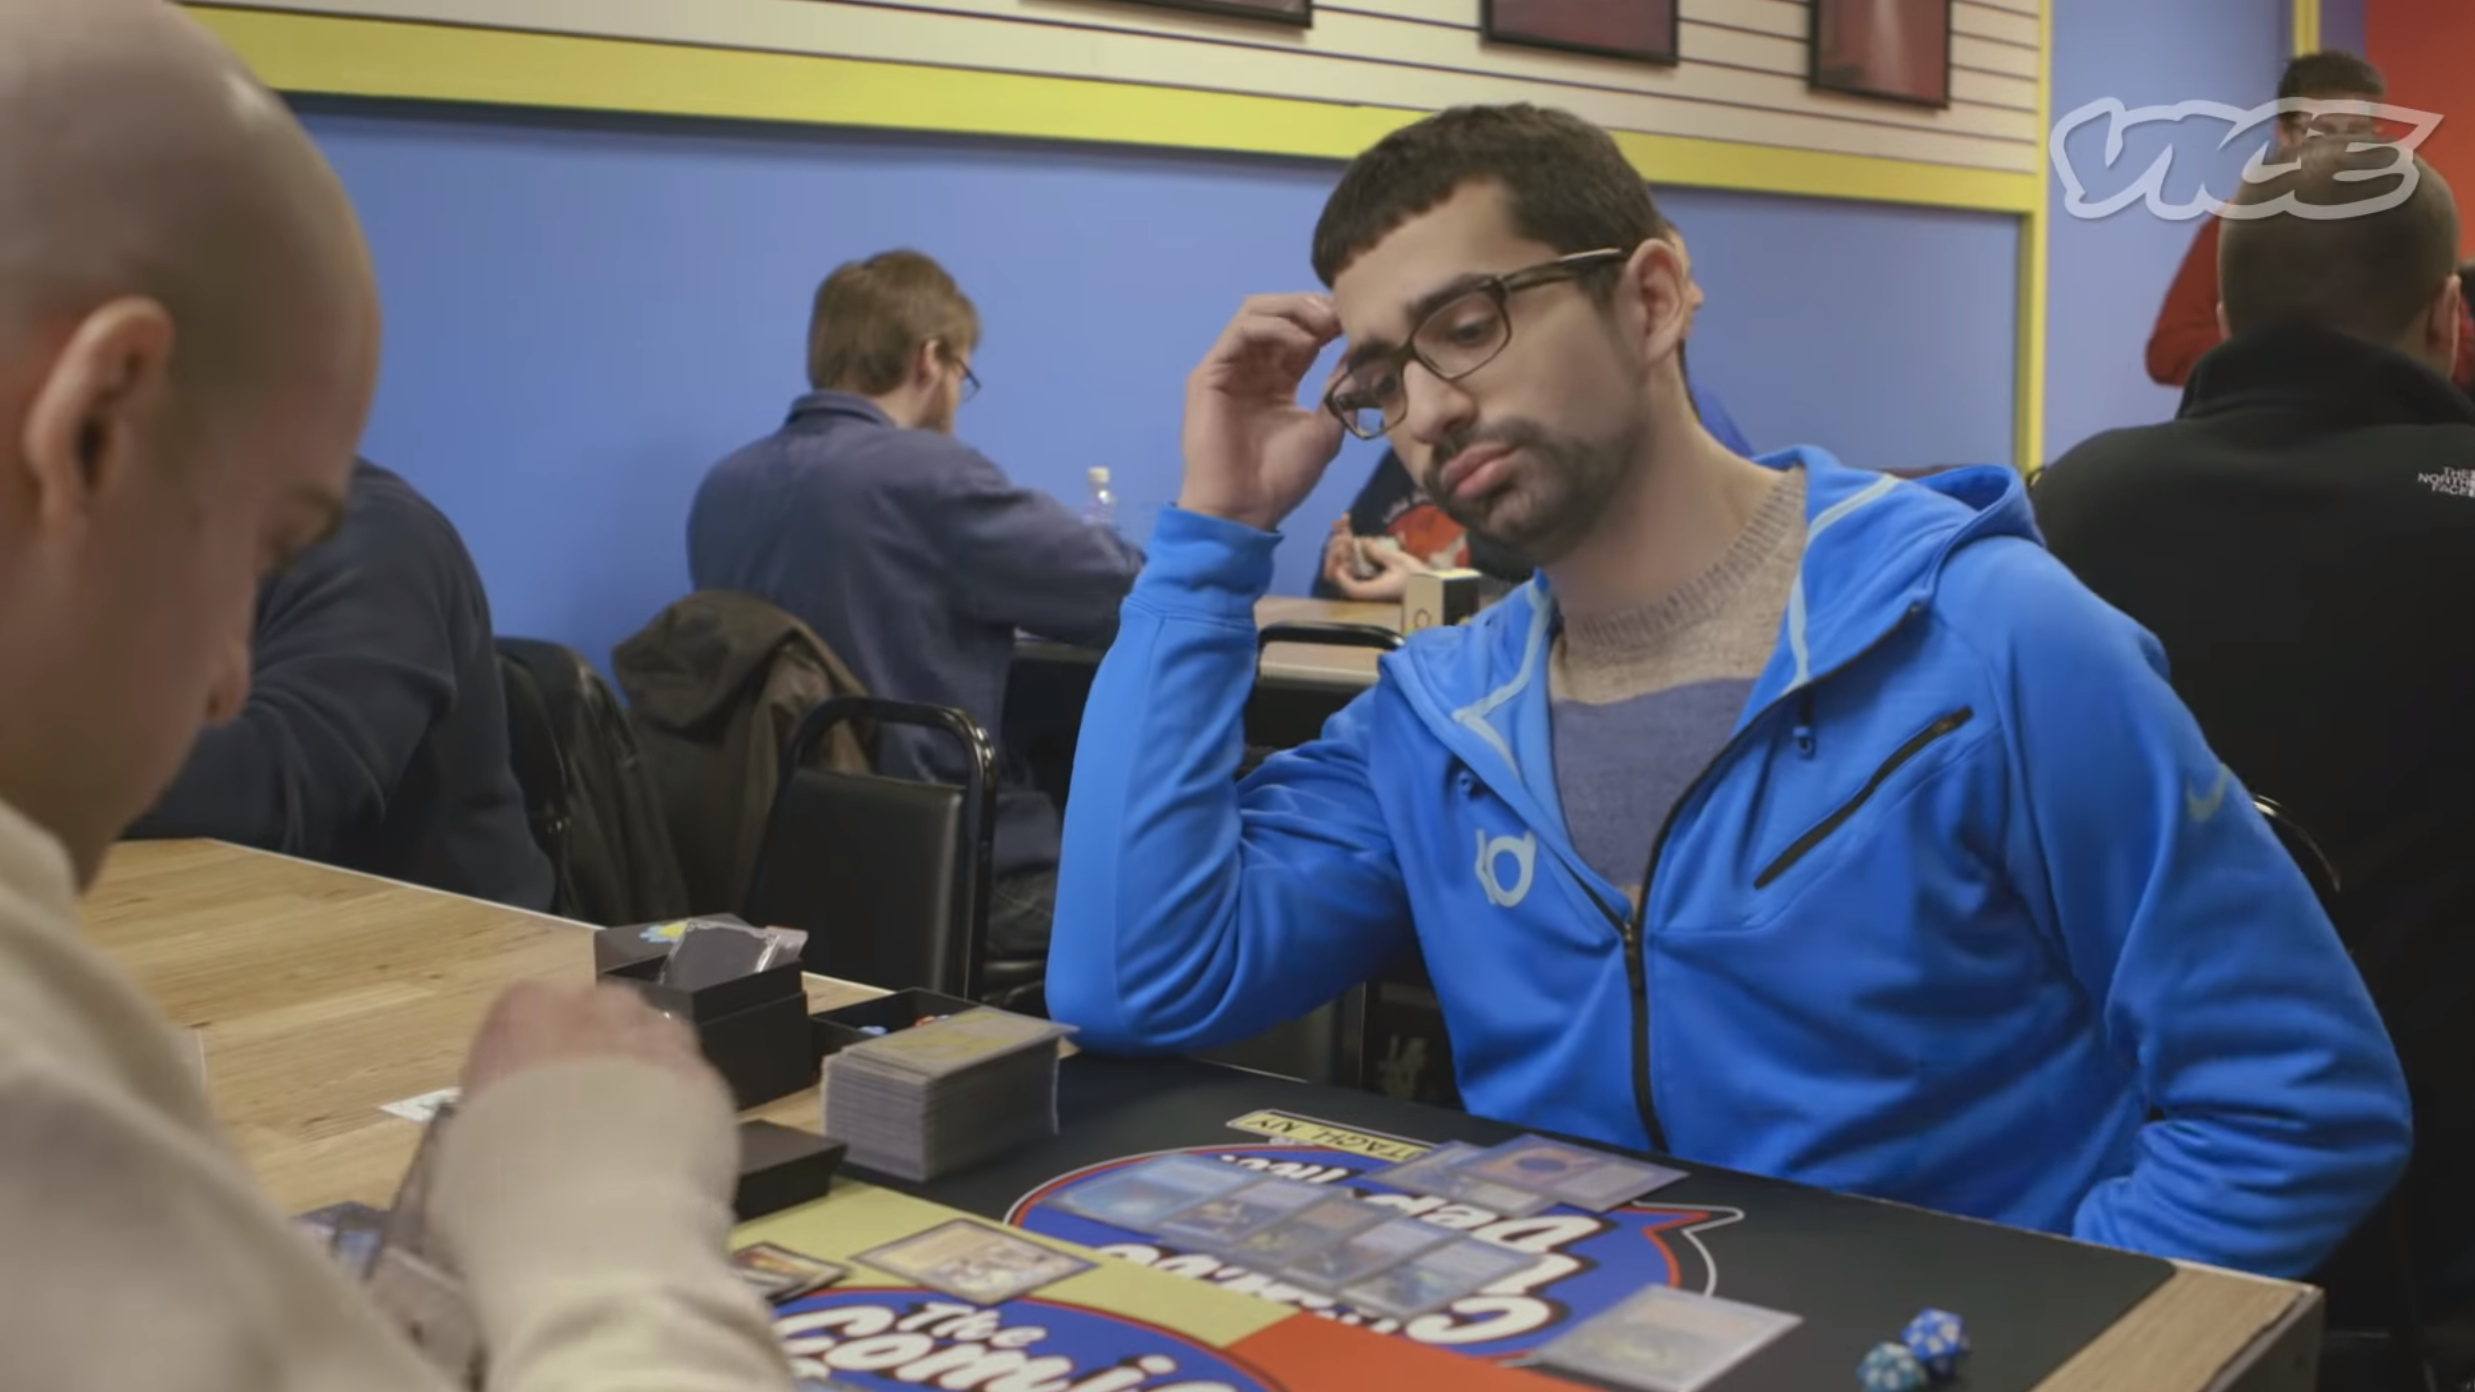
point(915, 558)
point(2298, 538)
point(375, 735)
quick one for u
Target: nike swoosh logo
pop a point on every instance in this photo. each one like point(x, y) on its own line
point(2203, 808)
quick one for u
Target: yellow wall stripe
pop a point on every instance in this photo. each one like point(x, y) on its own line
point(2307, 26)
point(386, 58)
point(2028, 413)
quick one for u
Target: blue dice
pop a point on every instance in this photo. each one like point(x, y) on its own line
point(1891, 1368)
point(1938, 1341)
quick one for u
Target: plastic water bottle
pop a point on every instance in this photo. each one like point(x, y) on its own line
point(1101, 511)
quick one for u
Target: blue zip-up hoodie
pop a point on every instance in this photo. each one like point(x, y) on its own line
point(1966, 915)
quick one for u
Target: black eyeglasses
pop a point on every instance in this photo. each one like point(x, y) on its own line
point(1453, 340)
point(971, 379)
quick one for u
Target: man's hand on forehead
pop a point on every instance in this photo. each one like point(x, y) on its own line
point(1253, 452)
point(1272, 344)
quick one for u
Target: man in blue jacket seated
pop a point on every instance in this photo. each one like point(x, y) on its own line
point(912, 555)
point(1796, 819)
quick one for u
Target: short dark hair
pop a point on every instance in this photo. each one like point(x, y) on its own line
point(872, 315)
point(1568, 185)
point(2366, 275)
point(2331, 72)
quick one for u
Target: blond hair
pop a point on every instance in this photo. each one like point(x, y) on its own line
point(871, 316)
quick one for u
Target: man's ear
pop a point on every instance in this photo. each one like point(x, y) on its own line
point(2223, 330)
point(928, 363)
point(2440, 326)
point(1657, 282)
point(1693, 296)
point(92, 414)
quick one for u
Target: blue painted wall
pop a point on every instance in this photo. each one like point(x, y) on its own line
point(2106, 278)
point(584, 314)
point(1884, 334)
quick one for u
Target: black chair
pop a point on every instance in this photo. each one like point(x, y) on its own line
point(1328, 1044)
point(2318, 869)
point(1284, 717)
point(1325, 633)
point(2376, 1337)
point(889, 877)
point(594, 808)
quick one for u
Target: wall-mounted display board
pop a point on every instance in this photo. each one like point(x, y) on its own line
point(1299, 12)
point(1896, 50)
point(1639, 29)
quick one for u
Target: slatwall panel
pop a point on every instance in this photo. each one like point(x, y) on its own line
point(1742, 77)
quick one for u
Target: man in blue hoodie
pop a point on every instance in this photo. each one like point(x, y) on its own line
point(1796, 819)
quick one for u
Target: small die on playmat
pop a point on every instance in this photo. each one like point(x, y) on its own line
point(1938, 1341)
point(1891, 1368)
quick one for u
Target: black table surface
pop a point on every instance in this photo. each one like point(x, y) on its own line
point(1856, 1270)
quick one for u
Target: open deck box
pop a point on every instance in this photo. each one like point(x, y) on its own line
point(753, 1028)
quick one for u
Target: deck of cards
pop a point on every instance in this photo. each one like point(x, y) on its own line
point(1315, 1237)
point(1666, 1340)
point(944, 1095)
point(1523, 1176)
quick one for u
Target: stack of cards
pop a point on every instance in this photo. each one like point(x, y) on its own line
point(1521, 1177)
point(942, 1096)
point(1667, 1340)
point(1307, 1235)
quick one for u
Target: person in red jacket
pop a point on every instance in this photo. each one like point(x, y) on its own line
point(2187, 326)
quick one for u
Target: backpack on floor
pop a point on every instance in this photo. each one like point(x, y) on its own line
point(595, 809)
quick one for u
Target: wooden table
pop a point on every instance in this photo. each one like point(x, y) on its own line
point(322, 995)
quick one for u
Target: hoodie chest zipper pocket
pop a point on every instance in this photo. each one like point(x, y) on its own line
point(1917, 744)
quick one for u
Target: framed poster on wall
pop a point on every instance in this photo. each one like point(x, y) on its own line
point(1895, 50)
point(1298, 12)
point(1643, 30)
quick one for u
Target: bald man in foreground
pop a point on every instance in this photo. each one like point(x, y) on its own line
point(188, 337)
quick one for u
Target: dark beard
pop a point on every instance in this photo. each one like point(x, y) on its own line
point(1545, 512)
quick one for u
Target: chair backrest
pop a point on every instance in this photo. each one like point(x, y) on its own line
point(1279, 718)
point(2315, 863)
point(1318, 633)
point(715, 684)
point(541, 774)
point(888, 877)
point(592, 802)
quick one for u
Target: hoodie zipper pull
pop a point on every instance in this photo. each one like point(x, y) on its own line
point(1804, 723)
